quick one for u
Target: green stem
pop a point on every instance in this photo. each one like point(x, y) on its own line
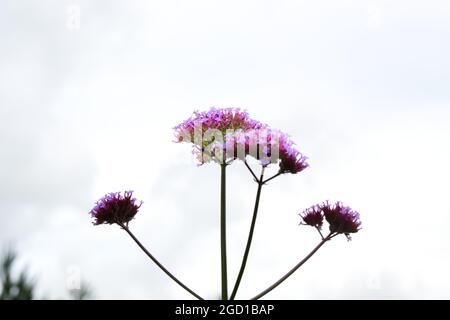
point(124, 227)
point(223, 236)
point(250, 236)
point(273, 177)
point(287, 275)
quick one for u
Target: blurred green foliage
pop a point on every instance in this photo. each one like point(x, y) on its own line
point(20, 287)
point(83, 293)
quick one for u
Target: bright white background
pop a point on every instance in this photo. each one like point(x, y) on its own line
point(89, 92)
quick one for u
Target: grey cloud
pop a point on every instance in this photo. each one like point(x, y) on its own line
point(88, 111)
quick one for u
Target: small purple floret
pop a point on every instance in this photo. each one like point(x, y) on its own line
point(342, 219)
point(115, 208)
point(313, 217)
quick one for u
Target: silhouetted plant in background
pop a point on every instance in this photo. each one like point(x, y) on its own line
point(83, 293)
point(23, 287)
point(20, 287)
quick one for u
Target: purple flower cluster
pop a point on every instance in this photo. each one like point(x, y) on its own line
point(229, 134)
point(340, 218)
point(220, 119)
point(268, 146)
point(313, 217)
point(115, 208)
point(292, 161)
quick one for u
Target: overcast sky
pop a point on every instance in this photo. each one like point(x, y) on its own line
point(90, 91)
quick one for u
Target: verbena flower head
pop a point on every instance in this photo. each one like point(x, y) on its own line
point(291, 160)
point(342, 219)
point(313, 217)
point(215, 119)
point(228, 134)
point(115, 208)
point(269, 146)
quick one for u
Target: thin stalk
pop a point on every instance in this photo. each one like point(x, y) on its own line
point(223, 231)
point(124, 227)
point(251, 171)
point(273, 177)
point(320, 232)
point(250, 236)
point(287, 275)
